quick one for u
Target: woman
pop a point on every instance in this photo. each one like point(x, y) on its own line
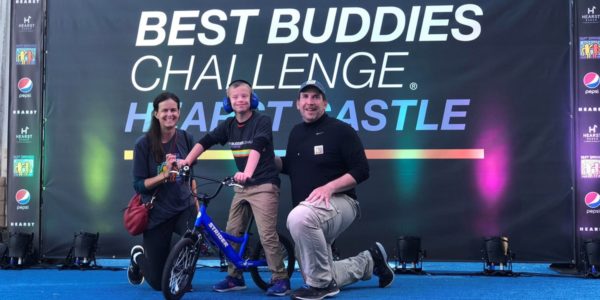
point(174, 208)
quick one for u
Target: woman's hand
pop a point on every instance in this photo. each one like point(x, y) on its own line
point(170, 159)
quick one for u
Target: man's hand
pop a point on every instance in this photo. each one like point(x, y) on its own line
point(322, 193)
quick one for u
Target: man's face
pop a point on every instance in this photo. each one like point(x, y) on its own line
point(311, 105)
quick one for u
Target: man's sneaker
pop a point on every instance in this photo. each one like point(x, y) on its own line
point(279, 287)
point(230, 284)
point(308, 292)
point(134, 274)
point(381, 268)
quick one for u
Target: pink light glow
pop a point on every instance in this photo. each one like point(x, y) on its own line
point(491, 173)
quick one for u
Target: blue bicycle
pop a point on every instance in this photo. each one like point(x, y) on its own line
point(205, 237)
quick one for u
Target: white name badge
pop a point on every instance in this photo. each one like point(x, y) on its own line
point(319, 150)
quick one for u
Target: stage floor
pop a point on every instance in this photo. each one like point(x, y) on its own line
point(442, 280)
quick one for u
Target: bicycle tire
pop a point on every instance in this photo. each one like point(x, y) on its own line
point(262, 275)
point(179, 269)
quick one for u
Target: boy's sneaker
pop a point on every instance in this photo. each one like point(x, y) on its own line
point(134, 274)
point(308, 292)
point(230, 284)
point(381, 268)
point(279, 287)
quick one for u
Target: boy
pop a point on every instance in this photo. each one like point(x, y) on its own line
point(250, 137)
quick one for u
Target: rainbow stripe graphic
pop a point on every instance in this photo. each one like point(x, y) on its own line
point(371, 154)
point(240, 153)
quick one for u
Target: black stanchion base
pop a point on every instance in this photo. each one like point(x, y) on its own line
point(417, 271)
point(500, 273)
point(15, 267)
point(565, 268)
point(87, 266)
point(592, 275)
point(80, 267)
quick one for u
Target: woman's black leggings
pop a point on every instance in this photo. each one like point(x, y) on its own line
point(157, 244)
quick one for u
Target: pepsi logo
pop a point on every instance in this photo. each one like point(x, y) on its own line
point(591, 80)
point(592, 199)
point(23, 197)
point(25, 85)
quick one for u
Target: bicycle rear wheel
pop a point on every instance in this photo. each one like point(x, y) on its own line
point(262, 275)
point(179, 269)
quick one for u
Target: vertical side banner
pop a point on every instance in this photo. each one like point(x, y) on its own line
point(587, 87)
point(25, 100)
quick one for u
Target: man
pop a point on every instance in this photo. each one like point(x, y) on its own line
point(325, 160)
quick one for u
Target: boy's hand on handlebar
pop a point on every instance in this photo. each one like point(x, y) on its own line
point(241, 177)
point(181, 163)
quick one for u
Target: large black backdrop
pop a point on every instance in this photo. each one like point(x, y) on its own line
point(507, 60)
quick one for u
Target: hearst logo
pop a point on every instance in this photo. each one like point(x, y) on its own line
point(588, 109)
point(24, 112)
point(24, 137)
point(27, 26)
point(592, 135)
point(22, 224)
point(27, 1)
point(591, 15)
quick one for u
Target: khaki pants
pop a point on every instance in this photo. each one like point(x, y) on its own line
point(314, 227)
point(264, 202)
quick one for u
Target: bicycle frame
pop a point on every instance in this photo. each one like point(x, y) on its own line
point(221, 238)
point(181, 263)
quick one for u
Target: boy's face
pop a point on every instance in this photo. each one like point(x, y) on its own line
point(240, 98)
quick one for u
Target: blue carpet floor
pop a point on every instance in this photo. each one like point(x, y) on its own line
point(442, 281)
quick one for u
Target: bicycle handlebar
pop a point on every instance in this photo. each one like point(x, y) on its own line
point(185, 172)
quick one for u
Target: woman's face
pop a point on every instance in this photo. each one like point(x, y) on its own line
point(167, 114)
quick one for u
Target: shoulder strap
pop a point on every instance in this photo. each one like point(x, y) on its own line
point(187, 141)
point(189, 147)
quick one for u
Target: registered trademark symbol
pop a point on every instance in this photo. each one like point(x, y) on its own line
point(413, 86)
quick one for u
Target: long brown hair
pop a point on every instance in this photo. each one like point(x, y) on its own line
point(154, 135)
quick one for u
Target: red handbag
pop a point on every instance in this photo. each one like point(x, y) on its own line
point(135, 217)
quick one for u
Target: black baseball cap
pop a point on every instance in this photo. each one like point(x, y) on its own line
point(312, 83)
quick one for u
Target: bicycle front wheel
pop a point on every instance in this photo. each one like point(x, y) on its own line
point(179, 269)
point(262, 275)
